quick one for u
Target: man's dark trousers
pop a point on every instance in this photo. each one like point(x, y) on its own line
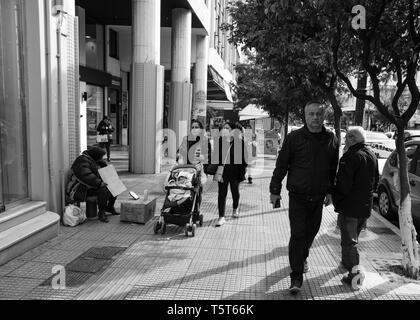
point(305, 215)
point(350, 230)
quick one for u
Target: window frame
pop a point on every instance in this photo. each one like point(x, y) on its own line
point(21, 56)
point(114, 51)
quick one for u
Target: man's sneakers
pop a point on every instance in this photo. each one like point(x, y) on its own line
point(354, 280)
point(295, 286)
point(236, 213)
point(220, 222)
point(305, 267)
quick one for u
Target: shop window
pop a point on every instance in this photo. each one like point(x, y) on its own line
point(13, 142)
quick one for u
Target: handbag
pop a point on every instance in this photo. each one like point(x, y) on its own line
point(218, 176)
point(101, 138)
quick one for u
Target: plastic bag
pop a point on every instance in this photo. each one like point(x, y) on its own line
point(73, 216)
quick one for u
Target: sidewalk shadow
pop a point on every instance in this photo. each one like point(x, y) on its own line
point(275, 253)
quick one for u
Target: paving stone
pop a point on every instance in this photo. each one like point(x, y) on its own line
point(75, 245)
point(16, 288)
point(58, 256)
point(151, 293)
point(202, 282)
point(35, 270)
point(11, 266)
point(245, 283)
point(48, 293)
point(197, 294)
point(90, 235)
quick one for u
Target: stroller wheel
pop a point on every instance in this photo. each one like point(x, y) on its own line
point(164, 228)
point(194, 228)
point(186, 229)
point(201, 220)
point(157, 227)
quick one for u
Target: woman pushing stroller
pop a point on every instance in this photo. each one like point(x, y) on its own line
point(195, 149)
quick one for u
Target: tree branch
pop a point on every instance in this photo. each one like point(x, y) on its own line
point(414, 36)
point(377, 19)
point(414, 90)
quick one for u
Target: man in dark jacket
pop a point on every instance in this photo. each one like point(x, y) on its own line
point(357, 179)
point(86, 181)
point(309, 156)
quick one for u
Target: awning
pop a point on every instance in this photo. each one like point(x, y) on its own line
point(217, 87)
point(220, 105)
point(252, 111)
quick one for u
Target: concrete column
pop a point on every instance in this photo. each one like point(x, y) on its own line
point(146, 109)
point(181, 88)
point(200, 80)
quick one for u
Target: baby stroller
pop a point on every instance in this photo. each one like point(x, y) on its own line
point(182, 202)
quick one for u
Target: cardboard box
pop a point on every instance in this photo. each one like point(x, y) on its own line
point(138, 211)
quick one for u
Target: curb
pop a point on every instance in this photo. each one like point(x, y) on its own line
point(386, 223)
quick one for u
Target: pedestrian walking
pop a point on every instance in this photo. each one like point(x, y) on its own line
point(357, 178)
point(232, 154)
point(251, 142)
point(85, 182)
point(196, 149)
point(309, 156)
point(105, 128)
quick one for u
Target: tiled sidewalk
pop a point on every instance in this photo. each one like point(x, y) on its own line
point(245, 259)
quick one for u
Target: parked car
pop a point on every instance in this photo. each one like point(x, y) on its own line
point(381, 145)
point(408, 134)
point(388, 189)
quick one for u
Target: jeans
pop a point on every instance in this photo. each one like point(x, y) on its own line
point(107, 147)
point(223, 190)
point(350, 230)
point(305, 220)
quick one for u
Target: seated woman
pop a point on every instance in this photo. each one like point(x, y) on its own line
point(85, 182)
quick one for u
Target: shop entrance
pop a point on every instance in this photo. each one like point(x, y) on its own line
point(94, 114)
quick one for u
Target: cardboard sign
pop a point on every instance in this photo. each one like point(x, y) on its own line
point(110, 176)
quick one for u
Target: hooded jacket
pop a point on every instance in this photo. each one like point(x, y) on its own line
point(85, 175)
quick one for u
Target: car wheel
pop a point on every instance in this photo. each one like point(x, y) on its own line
point(386, 208)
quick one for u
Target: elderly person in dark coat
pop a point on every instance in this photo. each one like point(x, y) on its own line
point(85, 182)
point(357, 179)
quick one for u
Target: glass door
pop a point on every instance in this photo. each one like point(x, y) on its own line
point(94, 114)
point(13, 141)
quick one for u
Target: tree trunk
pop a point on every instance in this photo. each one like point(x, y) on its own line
point(286, 125)
point(360, 103)
point(337, 116)
point(410, 258)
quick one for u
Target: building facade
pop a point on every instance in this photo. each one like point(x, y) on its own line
point(38, 118)
point(150, 65)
